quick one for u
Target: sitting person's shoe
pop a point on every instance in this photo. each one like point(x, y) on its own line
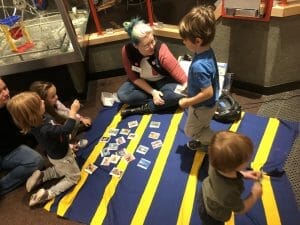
point(34, 180)
point(41, 196)
point(197, 146)
point(140, 110)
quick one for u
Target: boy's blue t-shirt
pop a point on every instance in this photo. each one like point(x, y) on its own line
point(203, 72)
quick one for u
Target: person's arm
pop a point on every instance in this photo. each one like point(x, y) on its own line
point(171, 64)
point(255, 194)
point(61, 109)
point(205, 94)
point(67, 127)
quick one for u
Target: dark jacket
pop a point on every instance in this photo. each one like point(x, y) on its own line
point(10, 135)
point(54, 138)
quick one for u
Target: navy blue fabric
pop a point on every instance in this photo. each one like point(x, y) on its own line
point(168, 196)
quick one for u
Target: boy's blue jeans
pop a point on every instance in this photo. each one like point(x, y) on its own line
point(130, 94)
point(19, 164)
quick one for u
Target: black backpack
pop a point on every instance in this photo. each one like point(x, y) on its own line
point(228, 109)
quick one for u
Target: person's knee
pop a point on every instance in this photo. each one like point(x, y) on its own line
point(33, 159)
point(121, 95)
point(39, 162)
point(75, 177)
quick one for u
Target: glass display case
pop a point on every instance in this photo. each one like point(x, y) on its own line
point(41, 33)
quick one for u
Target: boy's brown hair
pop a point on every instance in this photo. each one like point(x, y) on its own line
point(198, 23)
point(229, 150)
point(25, 110)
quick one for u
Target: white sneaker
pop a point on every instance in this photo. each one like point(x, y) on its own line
point(39, 197)
point(34, 180)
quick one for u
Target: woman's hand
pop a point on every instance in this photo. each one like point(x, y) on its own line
point(157, 97)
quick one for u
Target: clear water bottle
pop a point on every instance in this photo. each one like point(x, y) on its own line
point(227, 83)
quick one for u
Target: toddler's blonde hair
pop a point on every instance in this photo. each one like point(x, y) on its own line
point(25, 109)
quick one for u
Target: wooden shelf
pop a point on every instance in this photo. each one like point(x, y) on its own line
point(266, 17)
point(292, 8)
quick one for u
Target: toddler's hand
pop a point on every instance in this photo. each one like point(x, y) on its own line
point(250, 174)
point(74, 108)
point(86, 121)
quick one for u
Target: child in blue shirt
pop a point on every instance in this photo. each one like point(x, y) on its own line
point(197, 29)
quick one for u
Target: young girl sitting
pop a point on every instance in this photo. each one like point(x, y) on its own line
point(28, 112)
point(47, 91)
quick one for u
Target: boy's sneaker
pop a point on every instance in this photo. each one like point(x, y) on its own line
point(34, 180)
point(197, 145)
point(39, 197)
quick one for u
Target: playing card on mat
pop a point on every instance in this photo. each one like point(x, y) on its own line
point(144, 163)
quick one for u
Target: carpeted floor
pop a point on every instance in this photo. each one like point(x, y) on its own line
point(286, 106)
point(14, 208)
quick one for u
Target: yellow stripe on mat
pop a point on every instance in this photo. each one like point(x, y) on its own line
point(268, 197)
point(265, 145)
point(68, 199)
point(260, 159)
point(112, 185)
point(153, 181)
point(187, 203)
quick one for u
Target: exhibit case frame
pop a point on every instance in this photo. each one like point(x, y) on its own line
point(36, 34)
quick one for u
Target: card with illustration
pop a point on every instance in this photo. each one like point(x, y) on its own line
point(156, 144)
point(144, 163)
point(105, 161)
point(113, 132)
point(131, 136)
point(105, 152)
point(116, 172)
point(154, 135)
point(114, 158)
point(180, 90)
point(90, 169)
point(104, 139)
point(113, 146)
point(129, 157)
point(133, 123)
point(142, 149)
point(125, 131)
point(120, 140)
point(122, 152)
point(154, 124)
